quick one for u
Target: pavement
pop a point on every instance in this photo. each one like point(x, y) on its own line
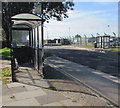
point(32, 90)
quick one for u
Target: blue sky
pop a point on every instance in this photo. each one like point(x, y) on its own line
point(86, 18)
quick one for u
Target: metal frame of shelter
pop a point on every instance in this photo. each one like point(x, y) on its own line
point(34, 25)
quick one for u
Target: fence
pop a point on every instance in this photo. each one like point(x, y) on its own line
point(97, 42)
point(84, 41)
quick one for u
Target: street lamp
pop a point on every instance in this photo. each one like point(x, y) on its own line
point(108, 29)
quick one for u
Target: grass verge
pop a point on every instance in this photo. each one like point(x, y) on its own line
point(5, 53)
point(89, 46)
point(114, 49)
point(5, 75)
point(53, 44)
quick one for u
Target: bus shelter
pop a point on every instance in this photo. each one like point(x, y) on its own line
point(102, 41)
point(33, 51)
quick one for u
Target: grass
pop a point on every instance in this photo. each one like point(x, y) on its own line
point(6, 72)
point(4, 50)
point(20, 45)
point(5, 53)
point(6, 75)
point(113, 49)
point(89, 46)
point(53, 44)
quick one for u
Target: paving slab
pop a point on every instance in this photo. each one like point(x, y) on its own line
point(8, 91)
point(29, 94)
point(26, 102)
point(50, 98)
point(31, 77)
point(15, 84)
point(30, 88)
point(42, 83)
point(6, 98)
point(69, 102)
point(55, 104)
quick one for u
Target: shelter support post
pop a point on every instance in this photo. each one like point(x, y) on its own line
point(101, 41)
point(42, 39)
point(12, 55)
point(29, 37)
point(32, 38)
point(38, 60)
point(35, 49)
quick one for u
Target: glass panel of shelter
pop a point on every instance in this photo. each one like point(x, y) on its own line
point(36, 44)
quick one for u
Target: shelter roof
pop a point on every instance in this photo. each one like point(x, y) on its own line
point(26, 19)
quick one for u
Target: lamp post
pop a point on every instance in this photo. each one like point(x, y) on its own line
point(108, 29)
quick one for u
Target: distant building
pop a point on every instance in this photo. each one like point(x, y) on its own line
point(65, 41)
point(52, 41)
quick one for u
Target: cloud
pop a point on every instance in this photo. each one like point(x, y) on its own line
point(82, 23)
point(80, 14)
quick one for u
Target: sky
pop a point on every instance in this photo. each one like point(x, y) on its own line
point(87, 18)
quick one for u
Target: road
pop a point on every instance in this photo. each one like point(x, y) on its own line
point(74, 91)
point(104, 61)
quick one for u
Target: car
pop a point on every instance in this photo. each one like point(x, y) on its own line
point(114, 43)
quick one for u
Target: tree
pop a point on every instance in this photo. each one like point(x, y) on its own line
point(2, 34)
point(10, 9)
point(57, 10)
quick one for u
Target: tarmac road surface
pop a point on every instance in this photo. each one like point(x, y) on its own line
point(104, 61)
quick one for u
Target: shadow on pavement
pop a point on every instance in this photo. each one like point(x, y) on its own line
point(63, 83)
